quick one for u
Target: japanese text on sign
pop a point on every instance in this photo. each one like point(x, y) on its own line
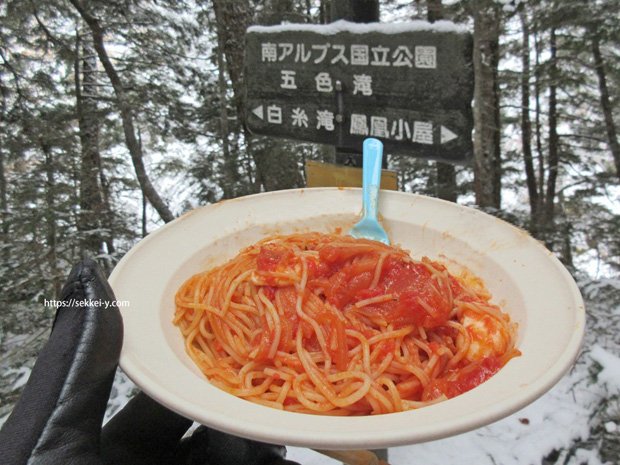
point(412, 89)
point(355, 54)
point(397, 129)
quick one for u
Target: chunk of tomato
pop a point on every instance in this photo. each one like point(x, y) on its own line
point(419, 301)
point(463, 380)
point(272, 255)
point(343, 287)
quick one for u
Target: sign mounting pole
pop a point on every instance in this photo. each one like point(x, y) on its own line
point(356, 11)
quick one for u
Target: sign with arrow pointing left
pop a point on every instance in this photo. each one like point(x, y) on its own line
point(410, 86)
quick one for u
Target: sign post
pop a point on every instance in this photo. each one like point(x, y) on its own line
point(409, 85)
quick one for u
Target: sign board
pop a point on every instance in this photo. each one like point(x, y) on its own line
point(330, 175)
point(410, 85)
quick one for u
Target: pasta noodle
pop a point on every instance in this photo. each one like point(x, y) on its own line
point(328, 324)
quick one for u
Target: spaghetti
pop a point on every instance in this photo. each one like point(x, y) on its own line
point(329, 324)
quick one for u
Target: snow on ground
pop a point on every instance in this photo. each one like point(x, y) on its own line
point(610, 373)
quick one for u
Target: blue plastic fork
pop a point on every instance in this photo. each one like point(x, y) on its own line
point(368, 227)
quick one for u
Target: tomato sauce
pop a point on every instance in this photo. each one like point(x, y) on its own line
point(346, 276)
point(459, 381)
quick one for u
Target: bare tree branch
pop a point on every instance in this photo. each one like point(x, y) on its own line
point(135, 149)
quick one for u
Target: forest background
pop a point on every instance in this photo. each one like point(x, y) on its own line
point(118, 116)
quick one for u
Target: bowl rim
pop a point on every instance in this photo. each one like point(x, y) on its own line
point(352, 434)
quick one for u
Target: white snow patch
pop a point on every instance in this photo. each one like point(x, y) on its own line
point(122, 391)
point(610, 374)
point(23, 374)
point(362, 28)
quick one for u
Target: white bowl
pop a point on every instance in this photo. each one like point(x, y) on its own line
point(526, 280)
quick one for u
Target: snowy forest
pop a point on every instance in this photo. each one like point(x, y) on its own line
point(118, 116)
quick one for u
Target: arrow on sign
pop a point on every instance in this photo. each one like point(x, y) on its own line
point(446, 135)
point(258, 111)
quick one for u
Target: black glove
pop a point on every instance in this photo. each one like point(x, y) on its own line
point(58, 417)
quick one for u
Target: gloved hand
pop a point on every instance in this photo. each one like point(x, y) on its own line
point(58, 418)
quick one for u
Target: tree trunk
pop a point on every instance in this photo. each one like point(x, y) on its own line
point(324, 8)
point(612, 136)
point(231, 21)
point(445, 185)
point(566, 253)
point(356, 11)
point(4, 192)
point(4, 214)
point(144, 217)
point(276, 165)
point(539, 148)
point(553, 160)
point(487, 156)
point(108, 217)
point(50, 220)
point(91, 199)
point(231, 173)
point(126, 116)
point(233, 18)
point(434, 10)
point(526, 123)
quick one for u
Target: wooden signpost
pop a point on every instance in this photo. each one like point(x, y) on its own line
point(410, 85)
point(320, 174)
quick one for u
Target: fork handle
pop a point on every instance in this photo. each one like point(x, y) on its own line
point(371, 179)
